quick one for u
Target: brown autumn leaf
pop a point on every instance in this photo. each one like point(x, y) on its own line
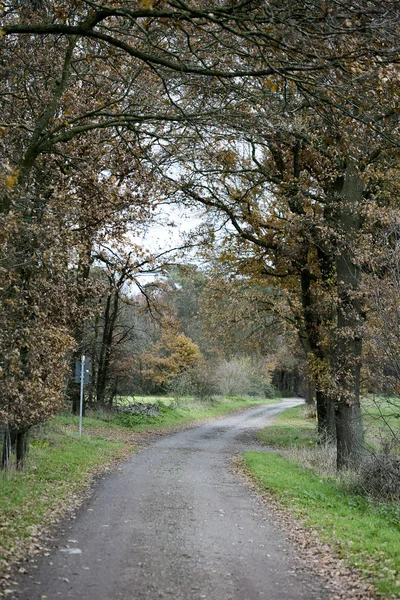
point(147, 4)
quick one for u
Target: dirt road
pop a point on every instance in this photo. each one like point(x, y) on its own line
point(175, 522)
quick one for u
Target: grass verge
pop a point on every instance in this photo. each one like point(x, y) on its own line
point(365, 533)
point(289, 429)
point(169, 416)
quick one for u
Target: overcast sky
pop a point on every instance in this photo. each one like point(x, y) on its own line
point(172, 224)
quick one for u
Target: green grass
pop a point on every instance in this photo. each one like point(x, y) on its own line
point(290, 428)
point(381, 417)
point(169, 417)
point(104, 420)
point(189, 411)
point(366, 534)
point(57, 468)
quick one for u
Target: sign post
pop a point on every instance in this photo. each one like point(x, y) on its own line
point(82, 376)
point(81, 395)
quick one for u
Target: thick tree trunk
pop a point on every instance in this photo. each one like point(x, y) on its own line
point(349, 434)
point(350, 320)
point(314, 347)
point(349, 427)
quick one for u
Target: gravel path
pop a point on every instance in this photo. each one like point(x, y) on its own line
point(176, 522)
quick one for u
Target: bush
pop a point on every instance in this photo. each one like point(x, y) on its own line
point(196, 382)
point(379, 477)
point(243, 377)
point(180, 387)
point(270, 391)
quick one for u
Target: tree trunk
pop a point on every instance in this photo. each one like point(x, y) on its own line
point(102, 364)
point(21, 448)
point(95, 359)
point(310, 393)
point(350, 320)
point(325, 417)
point(349, 434)
point(110, 317)
point(349, 427)
point(7, 448)
point(314, 347)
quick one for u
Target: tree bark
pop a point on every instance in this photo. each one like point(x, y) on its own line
point(325, 417)
point(310, 396)
point(21, 448)
point(350, 319)
point(18, 439)
point(7, 448)
point(350, 435)
point(110, 317)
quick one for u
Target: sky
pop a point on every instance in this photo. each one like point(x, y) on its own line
point(172, 224)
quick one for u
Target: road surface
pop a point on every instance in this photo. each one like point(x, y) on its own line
point(176, 523)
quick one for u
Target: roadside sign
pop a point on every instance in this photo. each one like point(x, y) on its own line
point(87, 367)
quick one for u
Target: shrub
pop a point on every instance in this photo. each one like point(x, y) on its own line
point(243, 377)
point(180, 387)
point(379, 476)
point(196, 382)
point(270, 391)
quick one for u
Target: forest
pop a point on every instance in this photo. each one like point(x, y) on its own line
point(277, 124)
